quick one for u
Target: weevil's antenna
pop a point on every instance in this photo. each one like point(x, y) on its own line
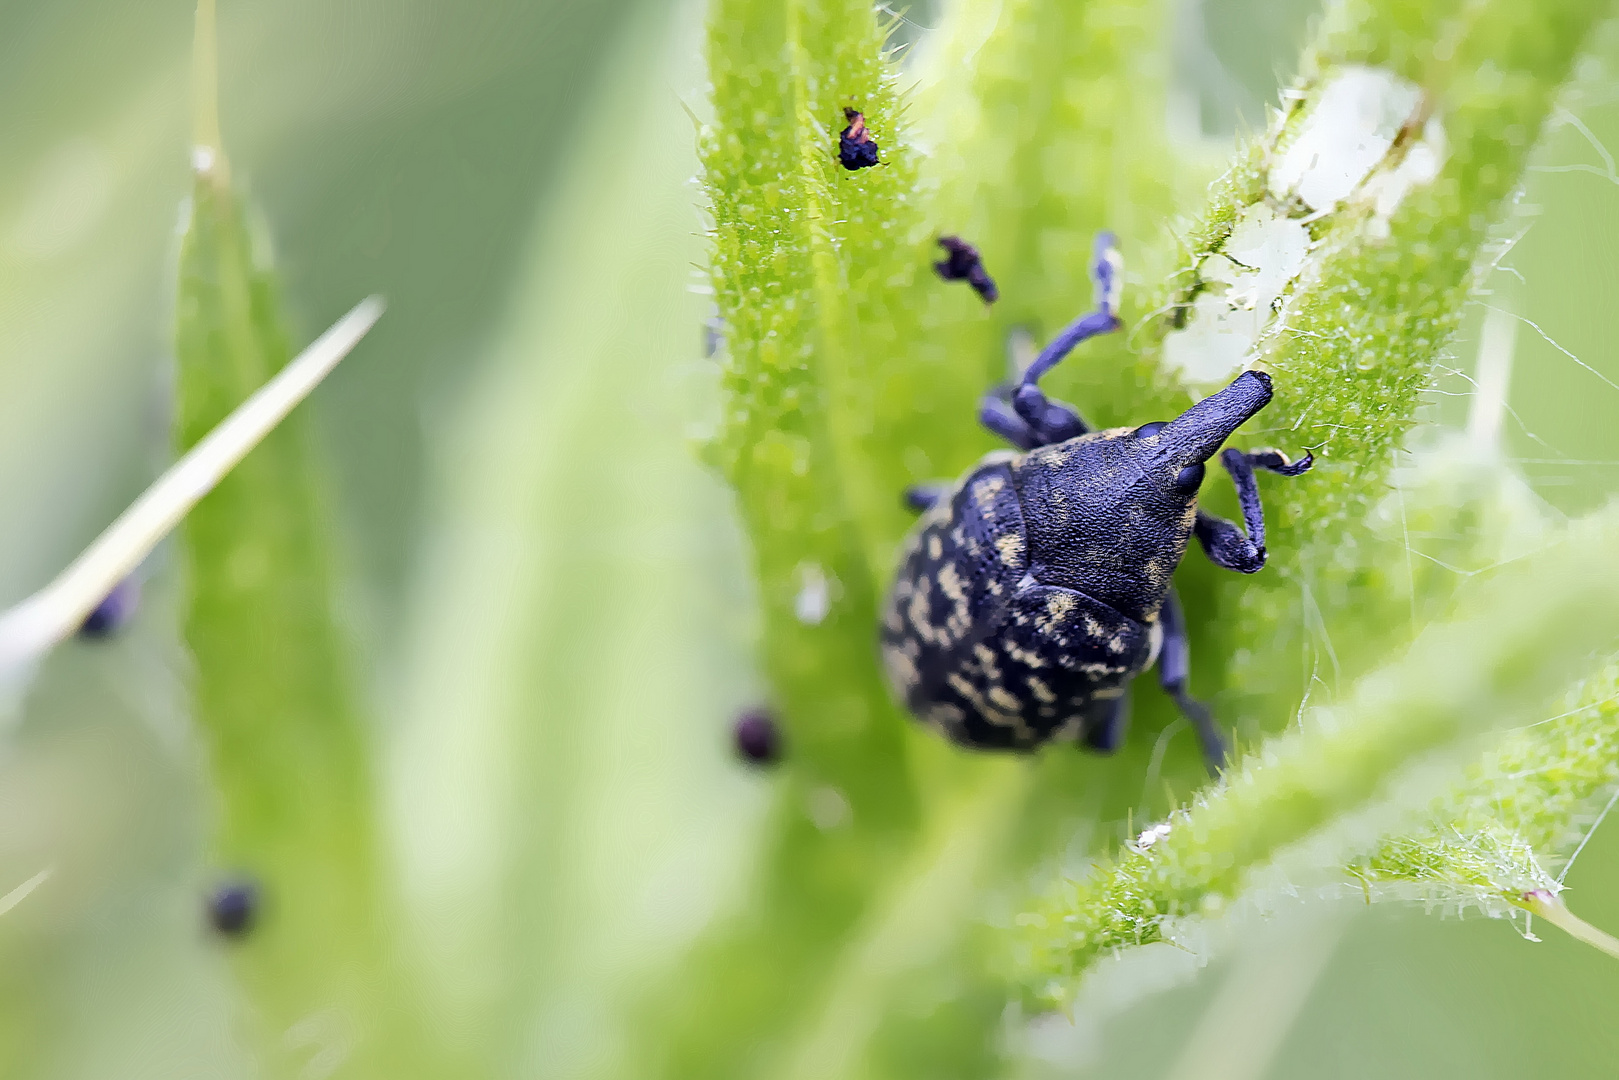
point(32, 627)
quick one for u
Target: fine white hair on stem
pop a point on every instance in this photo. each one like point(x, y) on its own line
point(33, 626)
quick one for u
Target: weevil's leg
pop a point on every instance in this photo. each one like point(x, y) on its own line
point(923, 497)
point(1275, 461)
point(1224, 543)
point(1105, 724)
point(1050, 421)
point(1174, 669)
point(996, 414)
point(1226, 546)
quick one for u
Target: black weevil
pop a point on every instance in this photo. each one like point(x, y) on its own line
point(1038, 585)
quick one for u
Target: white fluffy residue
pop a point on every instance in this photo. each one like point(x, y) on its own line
point(814, 599)
point(1346, 135)
point(828, 808)
point(1420, 165)
point(1263, 254)
point(1340, 152)
point(1151, 836)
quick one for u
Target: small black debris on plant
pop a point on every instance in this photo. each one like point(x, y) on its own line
point(757, 736)
point(233, 907)
point(963, 263)
point(856, 149)
point(116, 609)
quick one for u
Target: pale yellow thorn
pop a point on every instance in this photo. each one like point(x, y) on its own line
point(33, 626)
point(1548, 906)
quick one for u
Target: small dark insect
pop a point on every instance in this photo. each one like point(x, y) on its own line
point(233, 907)
point(962, 263)
point(115, 609)
point(856, 150)
point(1037, 586)
point(758, 737)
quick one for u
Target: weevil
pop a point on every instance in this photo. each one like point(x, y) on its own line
point(1034, 589)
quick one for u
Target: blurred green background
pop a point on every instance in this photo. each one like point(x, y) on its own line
point(549, 590)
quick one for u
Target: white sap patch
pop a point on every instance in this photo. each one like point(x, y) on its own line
point(1346, 135)
point(1420, 165)
point(1151, 836)
point(814, 599)
point(1244, 282)
point(828, 809)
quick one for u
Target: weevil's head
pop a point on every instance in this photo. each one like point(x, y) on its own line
point(1111, 513)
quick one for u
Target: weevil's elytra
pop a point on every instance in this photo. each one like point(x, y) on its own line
point(1033, 590)
point(856, 149)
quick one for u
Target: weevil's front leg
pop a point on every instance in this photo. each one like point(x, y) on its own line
point(1225, 544)
point(1105, 723)
point(1052, 422)
point(1174, 671)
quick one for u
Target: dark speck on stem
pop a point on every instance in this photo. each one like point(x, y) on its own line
point(758, 737)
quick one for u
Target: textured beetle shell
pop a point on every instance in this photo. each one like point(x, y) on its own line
point(981, 650)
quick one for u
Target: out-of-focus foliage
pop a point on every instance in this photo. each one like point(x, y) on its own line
point(273, 692)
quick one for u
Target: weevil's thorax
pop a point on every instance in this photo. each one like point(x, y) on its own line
point(1104, 517)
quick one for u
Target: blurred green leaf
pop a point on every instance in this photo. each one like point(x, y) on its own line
point(273, 690)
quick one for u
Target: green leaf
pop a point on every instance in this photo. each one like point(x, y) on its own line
point(274, 692)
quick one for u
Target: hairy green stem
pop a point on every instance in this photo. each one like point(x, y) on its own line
point(1521, 637)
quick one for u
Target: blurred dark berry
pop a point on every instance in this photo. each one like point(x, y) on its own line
point(233, 907)
point(114, 611)
point(856, 150)
point(758, 737)
point(963, 263)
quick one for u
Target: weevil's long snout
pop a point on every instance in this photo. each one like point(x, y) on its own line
point(1198, 433)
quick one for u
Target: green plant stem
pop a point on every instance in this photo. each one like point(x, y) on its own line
point(1535, 797)
point(1355, 342)
point(1521, 637)
point(798, 244)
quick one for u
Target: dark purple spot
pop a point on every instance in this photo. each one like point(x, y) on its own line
point(758, 737)
point(233, 907)
point(116, 609)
